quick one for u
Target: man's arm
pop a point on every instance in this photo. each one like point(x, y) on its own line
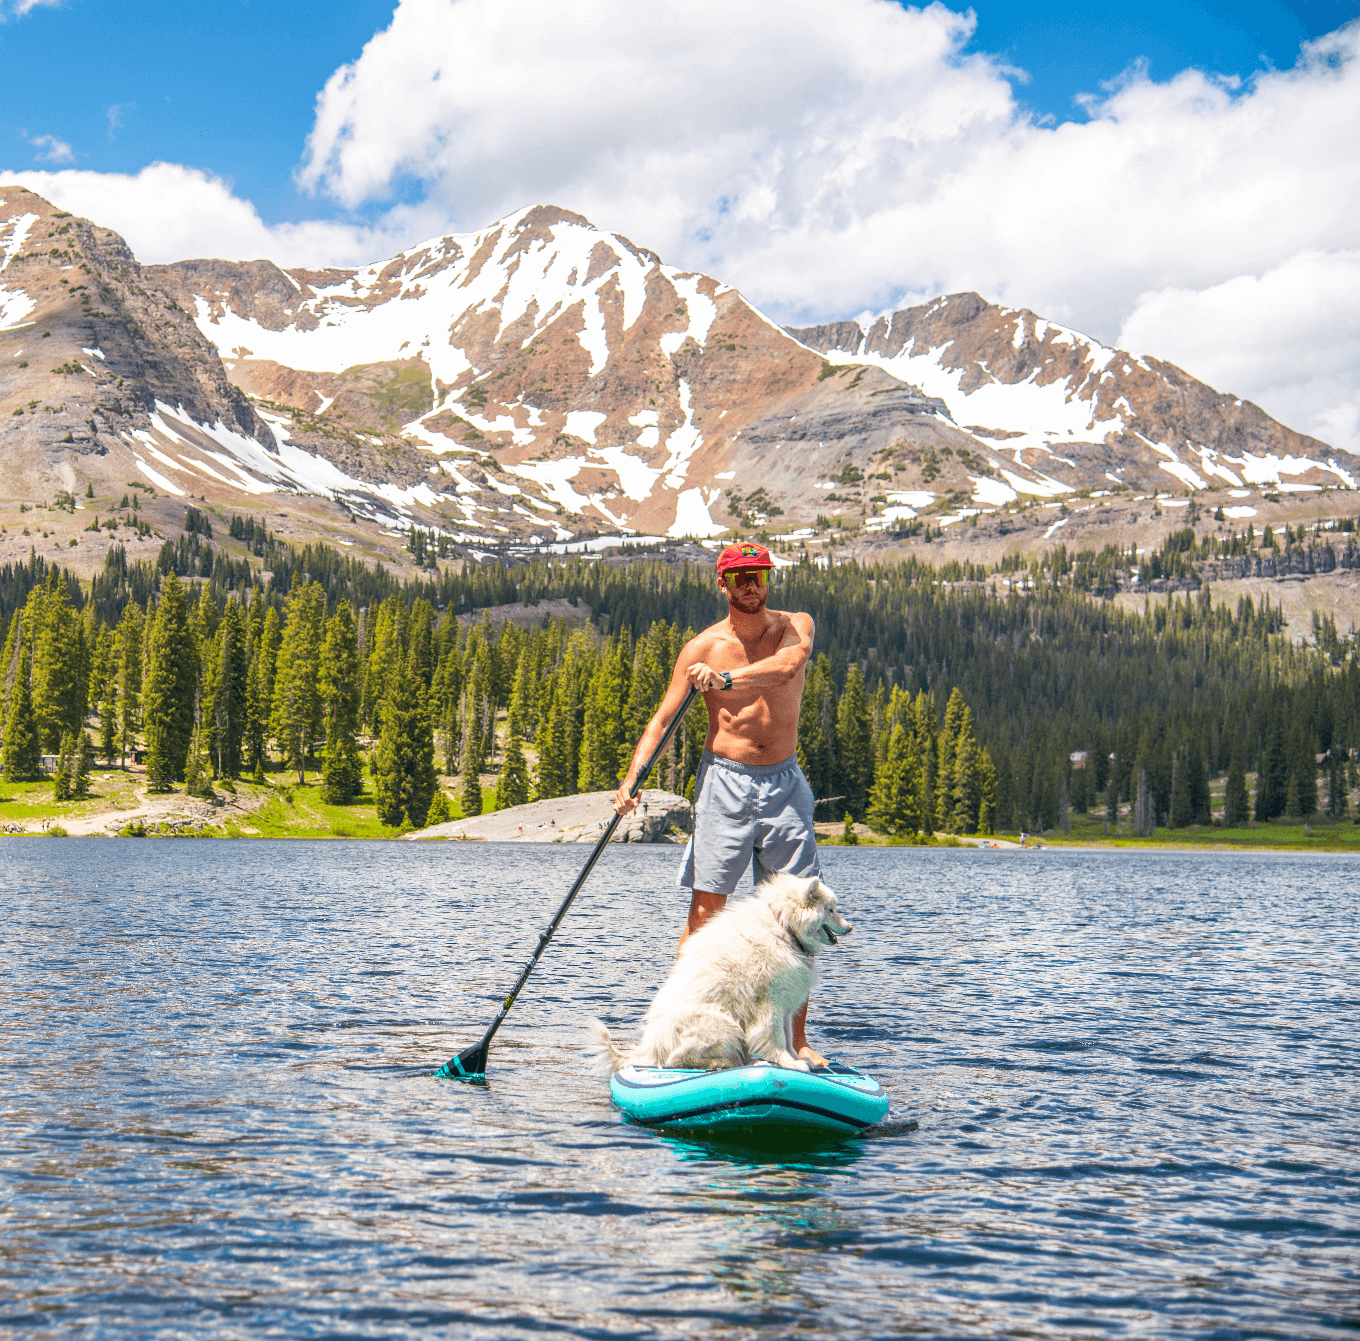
point(656, 728)
point(778, 668)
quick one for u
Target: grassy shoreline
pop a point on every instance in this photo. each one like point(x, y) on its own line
point(283, 808)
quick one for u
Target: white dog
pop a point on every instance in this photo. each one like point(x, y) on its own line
point(740, 979)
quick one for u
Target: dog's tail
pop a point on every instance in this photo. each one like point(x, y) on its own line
point(608, 1057)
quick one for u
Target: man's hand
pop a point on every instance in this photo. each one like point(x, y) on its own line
point(703, 677)
point(623, 803)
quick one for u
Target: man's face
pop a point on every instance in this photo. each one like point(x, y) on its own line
point(746, 588)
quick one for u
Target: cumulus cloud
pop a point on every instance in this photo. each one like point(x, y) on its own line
point(168, 212)
point(834, 159)
point(1290, 335)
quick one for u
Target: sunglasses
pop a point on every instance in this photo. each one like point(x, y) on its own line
point(741, 577)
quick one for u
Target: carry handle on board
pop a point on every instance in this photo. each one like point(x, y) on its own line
point(470, 1064)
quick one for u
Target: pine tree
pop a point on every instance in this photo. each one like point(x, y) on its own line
point(967, 780)
point(854, 744)
point(171, 681)
point(60, 675)
point(1272, 775)
point(196, 767)
point(603, 741)
point(816, 730)
point(61, 779)
point(512, 787)
point(340, 685)
point(439, 812)
point(404, 776)
point(22, 744)
point(129, 679)
point(848, 835)
point(1181, 813)
point(946, 747)
point(82, 760)
point(227, 711)
point(1305, 769)
point(296, 717)
point(987, 806)
point(1236, 804)
point(895, 798)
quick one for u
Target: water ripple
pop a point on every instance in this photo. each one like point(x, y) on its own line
point(1124, 1101)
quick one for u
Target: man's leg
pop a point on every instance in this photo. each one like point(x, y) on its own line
point(800, 1043)
point(702, 906)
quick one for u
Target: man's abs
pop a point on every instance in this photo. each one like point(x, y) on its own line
point(758, 726)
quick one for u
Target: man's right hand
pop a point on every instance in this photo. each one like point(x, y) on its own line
point(623, 803)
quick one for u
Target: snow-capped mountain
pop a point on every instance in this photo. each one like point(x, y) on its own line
point(541, 374)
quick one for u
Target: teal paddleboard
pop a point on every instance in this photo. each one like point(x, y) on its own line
point(834, 1098)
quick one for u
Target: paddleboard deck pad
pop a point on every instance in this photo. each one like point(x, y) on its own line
point(833, 1098)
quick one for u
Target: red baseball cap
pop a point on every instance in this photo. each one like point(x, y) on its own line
point(745, 554)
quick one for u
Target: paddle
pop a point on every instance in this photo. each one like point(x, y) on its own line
point(470, 1064)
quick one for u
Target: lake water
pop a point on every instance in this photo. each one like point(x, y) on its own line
point(1133, 1078)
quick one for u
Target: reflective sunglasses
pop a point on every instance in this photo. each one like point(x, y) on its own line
point(740, 577)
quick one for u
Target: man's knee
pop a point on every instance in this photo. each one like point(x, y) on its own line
point(702, 906)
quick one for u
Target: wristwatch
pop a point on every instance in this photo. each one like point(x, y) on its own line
point(727, 679)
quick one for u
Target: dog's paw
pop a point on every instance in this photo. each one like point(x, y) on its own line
point(791, 1063)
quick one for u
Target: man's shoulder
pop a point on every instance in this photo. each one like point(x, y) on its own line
point(797, 619)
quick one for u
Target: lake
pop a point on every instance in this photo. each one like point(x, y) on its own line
point(1125, 1089)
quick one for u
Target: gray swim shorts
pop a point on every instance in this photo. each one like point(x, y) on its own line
point(756, 815)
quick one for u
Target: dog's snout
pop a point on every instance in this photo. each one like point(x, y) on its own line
point(849, 927)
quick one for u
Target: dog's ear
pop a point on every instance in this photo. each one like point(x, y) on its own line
point(814, 893)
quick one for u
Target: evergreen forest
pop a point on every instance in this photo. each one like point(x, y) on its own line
point(938, 700)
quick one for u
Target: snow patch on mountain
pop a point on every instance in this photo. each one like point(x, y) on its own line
point(363, 319)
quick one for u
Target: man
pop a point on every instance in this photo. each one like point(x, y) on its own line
point(752, 804)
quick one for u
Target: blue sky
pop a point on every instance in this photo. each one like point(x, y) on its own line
point(231, 86)
point(1179, 179)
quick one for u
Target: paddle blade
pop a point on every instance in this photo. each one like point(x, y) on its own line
point(470, 1064)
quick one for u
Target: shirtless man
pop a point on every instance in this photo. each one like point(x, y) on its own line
point(752, 804)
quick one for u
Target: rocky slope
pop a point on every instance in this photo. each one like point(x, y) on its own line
point(541, 377)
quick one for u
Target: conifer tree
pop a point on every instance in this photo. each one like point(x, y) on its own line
point(1235, 799)
point(1180, 793)
point(22, 744)
point(987, 805)
point(171, 681)
point(816, 730)
point(82, 760)
point(512, 787)
point(854, 744)
point(60, 678)
point(439, 812)
point(967, 780)
point(946, 746)
point(108, 697)
point(227, 709)
point(895, 798)
point(196, 766)
point(603, 740)
point(1272, 774)
point(61, 779)
point(340, 691)
point(296, 717)
point(404, 776)
point(1305, 769)
point(129, 679)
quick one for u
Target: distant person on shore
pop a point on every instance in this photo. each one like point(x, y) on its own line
point(752, 804)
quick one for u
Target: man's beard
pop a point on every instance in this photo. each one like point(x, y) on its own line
point(740, 600)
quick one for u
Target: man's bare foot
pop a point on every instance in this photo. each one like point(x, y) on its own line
point(811, 1056)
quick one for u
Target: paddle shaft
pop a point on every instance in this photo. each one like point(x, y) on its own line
point(585, 874)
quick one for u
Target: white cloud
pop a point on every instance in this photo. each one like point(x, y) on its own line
point(16, 9)
point(833, 159)
point(168, 212)
point(1291, 335)
point(52, 150)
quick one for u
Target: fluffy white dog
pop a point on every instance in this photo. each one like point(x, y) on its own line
point(739, 981)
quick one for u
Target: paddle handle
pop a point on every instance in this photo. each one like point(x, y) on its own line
point(590, 866)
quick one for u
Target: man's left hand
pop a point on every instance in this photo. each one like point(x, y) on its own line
point(703, 677)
